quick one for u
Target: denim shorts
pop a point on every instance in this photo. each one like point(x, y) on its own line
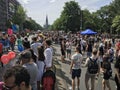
point(76, 73)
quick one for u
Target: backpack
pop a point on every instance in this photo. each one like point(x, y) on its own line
point(48, 80)
point(107, 66)
point(93, 66)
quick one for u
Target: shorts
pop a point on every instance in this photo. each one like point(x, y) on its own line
point(90, 76)
point(106, 77)
point(68, 51)
point(76, 73)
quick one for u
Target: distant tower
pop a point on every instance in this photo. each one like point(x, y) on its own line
point(46, 23)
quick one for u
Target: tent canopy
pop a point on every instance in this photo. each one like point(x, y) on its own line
point(88, 32)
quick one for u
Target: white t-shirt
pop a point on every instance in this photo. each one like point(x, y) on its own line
point(77, 59)
point(48, 57)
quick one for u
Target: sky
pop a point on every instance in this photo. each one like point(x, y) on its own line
point(38, 9)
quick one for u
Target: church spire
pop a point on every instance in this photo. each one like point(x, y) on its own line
point(46, 22)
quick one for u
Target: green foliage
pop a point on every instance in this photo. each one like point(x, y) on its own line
point(19, 16)
point(116, 6)
point(32, 25)
point(116, 24)
point(87, 20)
point(8, 23)
point(69, 19)
point(103, 20)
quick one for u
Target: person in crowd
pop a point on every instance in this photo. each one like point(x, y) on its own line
point(93, 68)
point(89, 48)
point(68, 48)
point(117, 72)
point(107, 72)
point(106, 46)
point(16, 78)
point(110, 52)
point(12, 41)
point(63, 49)
point(101, 51)
point(41, 38)
point(35, 45)
point(117, 52)
point(79, 46)
point(26, 43)
point(84, 46)
point(19, 40)
point(96, 45)
point(75, 68)
point(27, 62)
point(48, 53)
point(40, 65)
point(34, 57)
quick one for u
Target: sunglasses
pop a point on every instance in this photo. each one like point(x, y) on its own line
point(7, 87)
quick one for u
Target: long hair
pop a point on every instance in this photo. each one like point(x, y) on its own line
point(41, 56)
point(34, 57)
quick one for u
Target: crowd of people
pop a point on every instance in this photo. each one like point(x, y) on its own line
point(36, 58)
point(101, 52)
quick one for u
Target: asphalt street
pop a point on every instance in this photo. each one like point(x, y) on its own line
point(66, 76)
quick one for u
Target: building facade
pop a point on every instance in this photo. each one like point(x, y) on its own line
point(11, 9)
point(3, 14)
point(7, 10)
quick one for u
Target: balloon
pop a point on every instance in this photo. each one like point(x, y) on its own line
point(5, 59)
point(20, 48)
point(10, 31)
point(11, 55)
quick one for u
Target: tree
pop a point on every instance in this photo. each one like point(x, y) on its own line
point(116, 24)
point(70, 18)
point(87, 21)
point(32, 25)
point(116, 6)
point(19, 16)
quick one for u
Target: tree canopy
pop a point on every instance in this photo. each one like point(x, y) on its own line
point(73, 19)
point(69, 19)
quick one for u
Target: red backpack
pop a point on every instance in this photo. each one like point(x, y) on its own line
point(48, 80)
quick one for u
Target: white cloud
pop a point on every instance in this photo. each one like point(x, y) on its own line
point(84, 7)
point(52, 1)
point(25, 1)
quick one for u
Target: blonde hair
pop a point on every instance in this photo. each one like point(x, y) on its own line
point(94, 52)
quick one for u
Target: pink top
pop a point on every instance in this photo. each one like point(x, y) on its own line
point(1, 83)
